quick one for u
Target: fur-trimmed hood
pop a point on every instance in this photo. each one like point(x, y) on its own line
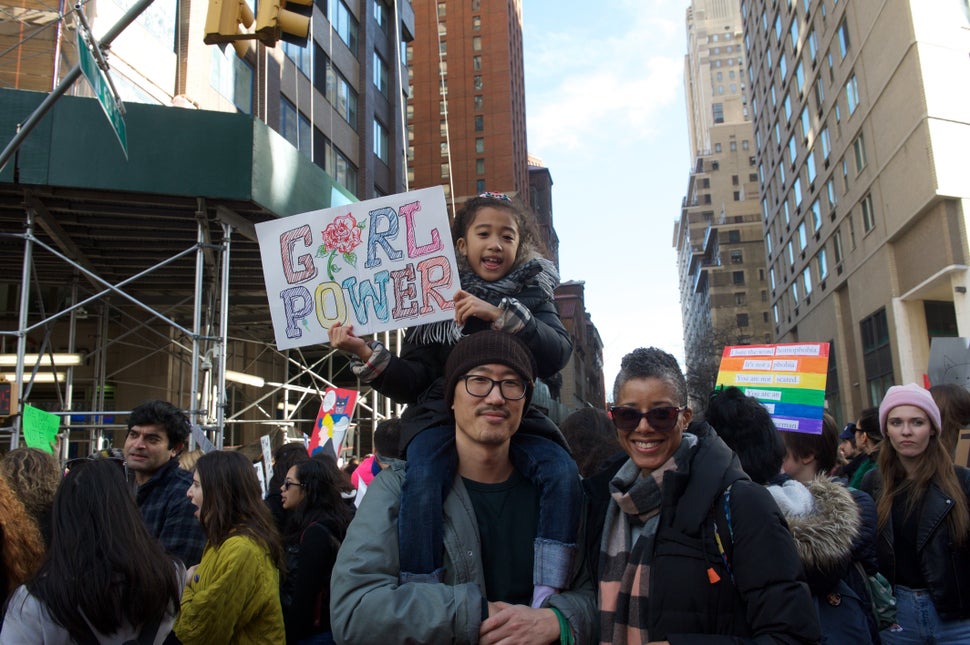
point(824, 536)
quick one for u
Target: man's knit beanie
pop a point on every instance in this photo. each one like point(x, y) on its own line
point(482, 348)
point(911, 394)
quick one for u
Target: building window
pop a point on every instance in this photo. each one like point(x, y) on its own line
point(739, 299)
point(444, 149)
point(381, 142)
point(381, 75)
point(742, 320)
point(717, 147)
point(822, 264)
point(802, 238)
point(831, 194)
point(852, 94)
point(344, 24)
point(479, 103)
point(479, 145)
point(445, 171)
point(477, 43)
point(295, 127)
point(877, 355)
point(810, 166)
point(859, 147)
point(737, 277)
point(441, 10)
point(868, 214)
point(443, 128)
point(477, 63)
point(232, 77)
point(737, 257)
point(381, 16)
point(341, 96)
point(479, 166)
point(734, 236)
point(807, 281)
point(816, 216)
point(300, 57)
point(477, 82)
point(718, 109)
point(823, 136)
point(476, 23)
point(479, 186)
point(844, 43)
point(479, 123)
point(800, 78)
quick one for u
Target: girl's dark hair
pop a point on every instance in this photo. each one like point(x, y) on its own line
point(530, 245)
point(869, 424)
point(321, 480)
point(650, 362)
point(746, 427)
point(232, 502)
point(287, 456)
point(823, 447)
point(591, 437)
point(102, 562)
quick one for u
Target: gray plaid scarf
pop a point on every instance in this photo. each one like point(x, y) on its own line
point(626, 551)
point(538, 272)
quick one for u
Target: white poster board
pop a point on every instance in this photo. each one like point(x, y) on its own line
point(267, 447)
point(381, 264)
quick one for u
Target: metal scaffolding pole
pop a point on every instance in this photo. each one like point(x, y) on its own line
point(23, 320)
point(223, 335)
point(197, 320)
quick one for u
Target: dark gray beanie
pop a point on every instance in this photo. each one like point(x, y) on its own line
point(482, 348)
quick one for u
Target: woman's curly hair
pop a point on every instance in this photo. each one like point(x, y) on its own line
point(21, 545)
point(33, 475)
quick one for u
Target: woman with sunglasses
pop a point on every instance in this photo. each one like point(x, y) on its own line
point(318, 519)
point(232, 595)
point(104, 579)
point(679, 535)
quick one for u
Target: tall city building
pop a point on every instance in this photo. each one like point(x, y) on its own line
point(158, 289)
point(861, 129)
point(719, 240)
point(466, 112)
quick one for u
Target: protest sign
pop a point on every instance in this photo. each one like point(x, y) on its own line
point(381, 264)
point(788, 379)
point(333, 420)
point(40, 428)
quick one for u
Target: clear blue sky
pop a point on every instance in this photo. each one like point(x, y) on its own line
point(605, 113)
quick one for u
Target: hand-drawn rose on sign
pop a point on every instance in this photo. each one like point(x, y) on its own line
point(342, 236)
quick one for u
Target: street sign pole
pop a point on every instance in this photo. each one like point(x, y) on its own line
point(27, 126)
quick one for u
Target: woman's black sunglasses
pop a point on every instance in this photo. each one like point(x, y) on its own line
point(661, 419)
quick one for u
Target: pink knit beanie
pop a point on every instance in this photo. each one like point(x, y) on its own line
point(911, 394)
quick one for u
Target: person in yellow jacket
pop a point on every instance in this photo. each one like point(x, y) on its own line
point(232, 596)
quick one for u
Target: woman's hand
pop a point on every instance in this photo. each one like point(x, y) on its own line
point(518, 625)
point(468, 306)
point(342, 337)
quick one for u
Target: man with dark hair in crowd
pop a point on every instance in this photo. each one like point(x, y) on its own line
point(157, 432)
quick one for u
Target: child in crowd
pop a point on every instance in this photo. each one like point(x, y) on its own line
point(507, 286)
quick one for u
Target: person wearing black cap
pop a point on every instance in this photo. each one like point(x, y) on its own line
point(488, 527)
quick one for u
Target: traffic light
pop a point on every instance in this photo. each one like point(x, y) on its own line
point(228, 21)
point(275, 21)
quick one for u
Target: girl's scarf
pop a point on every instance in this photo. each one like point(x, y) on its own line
point(538, 272)
point(626, 550)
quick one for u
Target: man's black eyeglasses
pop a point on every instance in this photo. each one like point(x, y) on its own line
point(481, 386)
point(287, 483)
point(661, 419)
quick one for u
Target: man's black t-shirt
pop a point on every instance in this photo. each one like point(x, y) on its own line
point(508, 517)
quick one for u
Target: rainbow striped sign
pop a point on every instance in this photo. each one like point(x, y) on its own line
point(788, 379)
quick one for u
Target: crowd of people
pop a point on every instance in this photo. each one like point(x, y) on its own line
point(479, 520)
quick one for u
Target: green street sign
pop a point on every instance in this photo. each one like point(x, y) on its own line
point(102, 90)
